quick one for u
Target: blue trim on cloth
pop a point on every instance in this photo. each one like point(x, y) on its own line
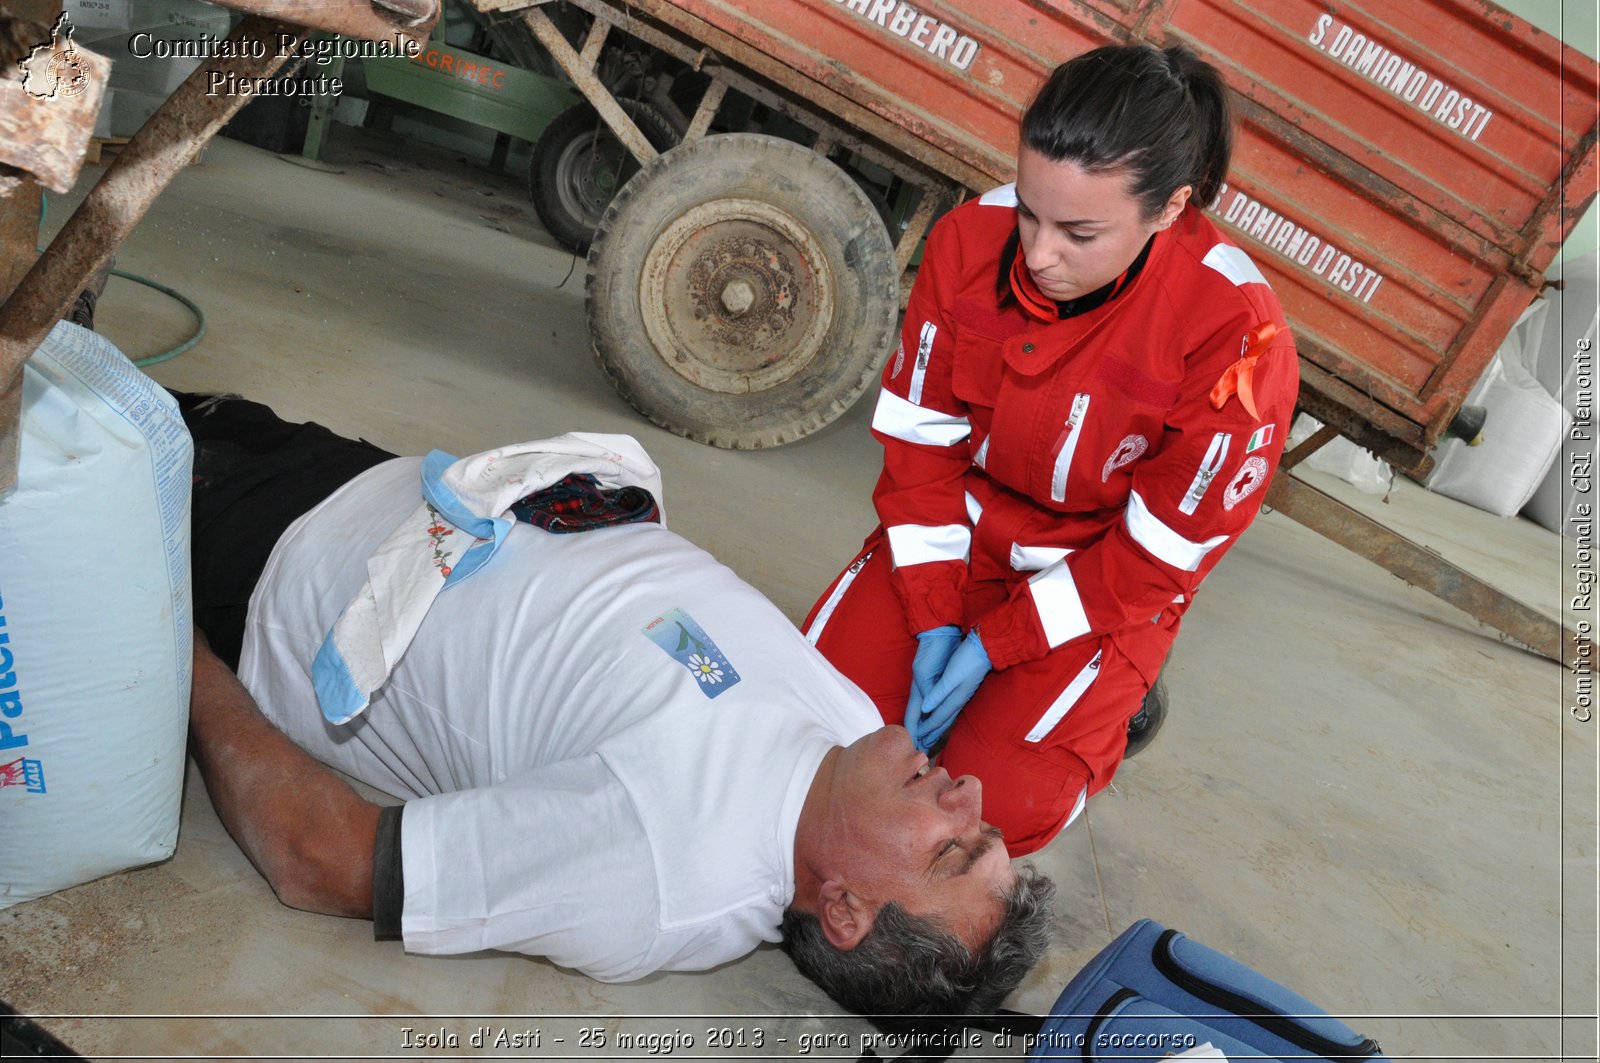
point(340, 699)
point(449, 506)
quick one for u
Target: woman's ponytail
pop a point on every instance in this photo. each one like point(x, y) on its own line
point(1162, 116)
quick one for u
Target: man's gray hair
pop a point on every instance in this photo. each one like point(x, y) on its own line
point(909, 969)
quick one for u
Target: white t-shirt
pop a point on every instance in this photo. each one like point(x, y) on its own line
point(606, 736)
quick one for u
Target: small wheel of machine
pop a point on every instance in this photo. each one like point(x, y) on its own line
point(742, 291)
point(578, 164)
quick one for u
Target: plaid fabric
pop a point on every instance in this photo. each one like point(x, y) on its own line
point(578, 503)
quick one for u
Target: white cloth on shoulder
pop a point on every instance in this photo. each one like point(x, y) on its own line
point(461, 522)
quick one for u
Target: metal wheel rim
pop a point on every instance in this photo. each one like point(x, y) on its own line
point(694, 267)
point(577, 187)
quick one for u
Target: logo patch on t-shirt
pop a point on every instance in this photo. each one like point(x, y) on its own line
point(687, 643)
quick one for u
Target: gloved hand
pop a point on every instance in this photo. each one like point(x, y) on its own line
point(966, 669)
point(934, 648)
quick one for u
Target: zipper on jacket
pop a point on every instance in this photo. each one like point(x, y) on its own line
point(919, 368)
point(814, 632)
point(1066, 443)
point(1248, 1009)
point(1210, 465)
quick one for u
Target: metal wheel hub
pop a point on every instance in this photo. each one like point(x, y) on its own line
point(587, 175)
point(736, 296)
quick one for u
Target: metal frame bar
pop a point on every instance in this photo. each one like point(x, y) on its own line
point(783, 98)
point(928, 204)
point(583, 76)
point(1423, 568)
point(703, 114)
point(1318, 439)
point(599, 30)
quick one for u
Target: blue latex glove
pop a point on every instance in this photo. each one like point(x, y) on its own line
point(966, 669)
point(934, 648)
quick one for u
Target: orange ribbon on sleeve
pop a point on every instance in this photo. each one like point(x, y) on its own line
point(1237, 378)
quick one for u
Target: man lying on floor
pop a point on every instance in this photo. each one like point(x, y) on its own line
point(612, 752)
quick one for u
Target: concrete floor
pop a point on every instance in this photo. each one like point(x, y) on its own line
point(1360, 791)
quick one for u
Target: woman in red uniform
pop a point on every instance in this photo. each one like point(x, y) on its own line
point(1092, 390)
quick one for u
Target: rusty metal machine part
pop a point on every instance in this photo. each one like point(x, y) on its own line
point(46, 116)
point(162, 147)
point(745, 295)
point(392, 21)
point(734, 64)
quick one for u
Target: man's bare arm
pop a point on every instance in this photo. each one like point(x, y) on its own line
point(303, 827)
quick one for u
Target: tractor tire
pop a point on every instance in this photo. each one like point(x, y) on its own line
point(742, 291)
point(578, 164)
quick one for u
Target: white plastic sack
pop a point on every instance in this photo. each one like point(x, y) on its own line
point(1521, 437)
point(1339, 457)
point(1562, 358)
point(95, 632)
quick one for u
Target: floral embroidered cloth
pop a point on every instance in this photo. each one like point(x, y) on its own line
point(465, 515)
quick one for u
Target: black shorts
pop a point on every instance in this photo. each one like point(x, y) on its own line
point(254, 475)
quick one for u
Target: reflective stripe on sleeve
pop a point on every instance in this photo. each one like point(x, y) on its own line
point(919, 544)
point(981, 458)
point(814, 632)
point(915, 424)
point(1004, 196)
point(1035, 558)
point(1055, 598)
point(974, 510)
point(1233, 264)
point(1064, 702)
point(1161, 542)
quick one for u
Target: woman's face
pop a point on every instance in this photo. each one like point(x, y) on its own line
point(1080, 230)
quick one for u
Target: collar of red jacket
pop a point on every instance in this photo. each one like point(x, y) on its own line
point(1016, 281)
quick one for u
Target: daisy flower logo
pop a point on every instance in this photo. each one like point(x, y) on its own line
point(687, 643)
point(704, 668)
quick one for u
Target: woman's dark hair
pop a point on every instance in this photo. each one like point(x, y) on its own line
point(1162, 116)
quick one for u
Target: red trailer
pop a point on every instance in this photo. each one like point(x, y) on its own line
point(1405, 171)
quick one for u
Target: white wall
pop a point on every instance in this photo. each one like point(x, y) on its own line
point(1577, 23)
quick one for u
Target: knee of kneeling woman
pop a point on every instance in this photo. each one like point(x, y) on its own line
point(1030, 803)
point(1031, 827)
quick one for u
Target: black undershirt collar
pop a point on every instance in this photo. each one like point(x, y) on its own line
point(1083, 303)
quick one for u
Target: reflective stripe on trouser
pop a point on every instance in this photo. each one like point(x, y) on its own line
point(1077, 715)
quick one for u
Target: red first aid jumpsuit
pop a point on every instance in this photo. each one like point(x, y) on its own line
point(1063, 486)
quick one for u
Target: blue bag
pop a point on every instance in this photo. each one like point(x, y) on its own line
point(1154, 992)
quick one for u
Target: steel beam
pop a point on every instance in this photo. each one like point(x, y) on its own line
point(1423, 568)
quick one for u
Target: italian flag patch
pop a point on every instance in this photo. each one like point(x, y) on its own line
point(1259, 438)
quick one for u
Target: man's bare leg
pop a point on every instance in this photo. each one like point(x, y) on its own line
point(303, 827)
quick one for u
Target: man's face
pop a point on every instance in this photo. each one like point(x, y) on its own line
point(915, 836)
